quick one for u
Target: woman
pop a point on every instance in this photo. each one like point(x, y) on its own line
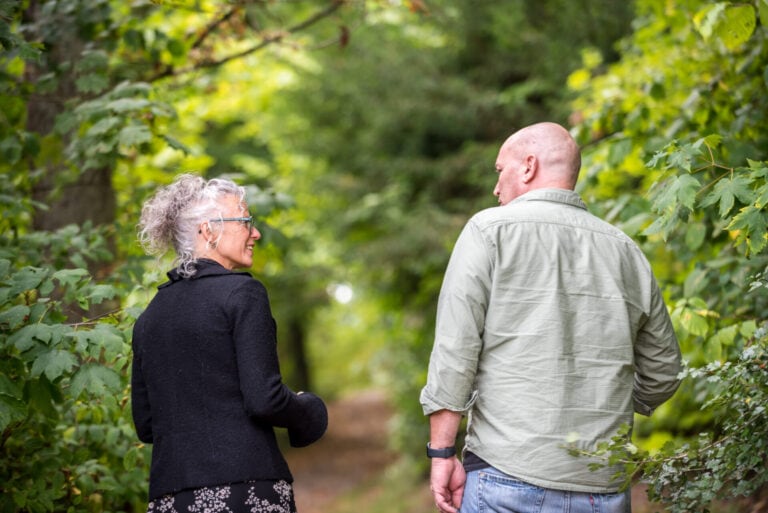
point(206, 386)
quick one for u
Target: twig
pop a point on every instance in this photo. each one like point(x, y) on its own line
point(266, 41)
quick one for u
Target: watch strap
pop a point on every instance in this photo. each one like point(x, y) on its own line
point(446, 452)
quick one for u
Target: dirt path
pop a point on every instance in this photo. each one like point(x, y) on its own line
point(353, 451)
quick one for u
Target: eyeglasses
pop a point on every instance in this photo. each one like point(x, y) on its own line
point(245, 221)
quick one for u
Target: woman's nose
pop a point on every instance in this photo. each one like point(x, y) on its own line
point(255, 233)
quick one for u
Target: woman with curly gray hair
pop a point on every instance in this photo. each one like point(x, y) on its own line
point(206, 386)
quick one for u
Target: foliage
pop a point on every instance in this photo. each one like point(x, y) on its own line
point(92, 87)
point(64, 412)
point(682, 116)
point(728, 462)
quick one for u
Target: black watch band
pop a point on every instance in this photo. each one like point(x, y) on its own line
point(446, 452)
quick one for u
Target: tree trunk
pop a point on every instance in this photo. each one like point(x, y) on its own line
point(90, 197)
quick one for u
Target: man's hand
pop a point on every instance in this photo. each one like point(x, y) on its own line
point(447, 480)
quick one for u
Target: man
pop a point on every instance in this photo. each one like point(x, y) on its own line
point(551, 330)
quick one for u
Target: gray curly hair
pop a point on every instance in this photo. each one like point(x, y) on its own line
point(172, 216)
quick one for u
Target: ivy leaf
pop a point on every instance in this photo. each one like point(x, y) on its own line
point(53, 363)
point(94, 379)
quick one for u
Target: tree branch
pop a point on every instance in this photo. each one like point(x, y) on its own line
point(214, 25)
point(265, 41)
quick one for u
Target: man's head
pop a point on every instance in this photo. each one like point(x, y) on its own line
point(539, 156)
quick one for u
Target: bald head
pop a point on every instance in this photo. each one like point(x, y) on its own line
point(538, 156)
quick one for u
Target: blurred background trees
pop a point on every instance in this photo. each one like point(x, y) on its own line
point(365, 132)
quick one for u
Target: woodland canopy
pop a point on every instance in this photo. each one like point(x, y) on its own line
point(365, 132)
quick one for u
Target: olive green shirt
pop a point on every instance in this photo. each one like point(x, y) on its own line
point(550, 329)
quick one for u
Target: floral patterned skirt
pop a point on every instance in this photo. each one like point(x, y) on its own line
point(247, 497)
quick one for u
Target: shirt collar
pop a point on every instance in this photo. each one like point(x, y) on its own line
point(555, 195)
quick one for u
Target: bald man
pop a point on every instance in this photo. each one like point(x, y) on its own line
point(551, 331)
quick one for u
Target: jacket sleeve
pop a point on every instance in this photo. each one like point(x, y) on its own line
point(657, 358)
point(140, 408)
point(265, 396)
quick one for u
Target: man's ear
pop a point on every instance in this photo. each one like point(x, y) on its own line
point(531, 168)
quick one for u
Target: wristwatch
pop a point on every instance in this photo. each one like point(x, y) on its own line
point(445, 452)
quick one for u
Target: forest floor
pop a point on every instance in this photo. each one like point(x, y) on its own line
point(351, 468)
point(347, 464)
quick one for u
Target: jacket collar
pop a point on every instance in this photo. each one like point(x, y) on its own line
point(205, 267)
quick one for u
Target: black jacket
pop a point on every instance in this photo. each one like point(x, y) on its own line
point(206, 385)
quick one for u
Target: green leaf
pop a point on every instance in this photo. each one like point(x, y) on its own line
point(737, 25)
point(681, 189)
point(726, 191)
point(31, 335)
point(103, 337)
point(95, 380)
point(695, 235)
point(683, 157)
point(13, 317)
point(70, 277)
point(123, 105)
point(751, 224)
point(12, 410)
point(26, 279)
point(53, 363)
point(706, 19)
point(92, 83)
point(9, 388)
point(762, 8)
point(104, 126)
point(726, 336)
point(101, 292)
point(176, 144)
point(134, 135)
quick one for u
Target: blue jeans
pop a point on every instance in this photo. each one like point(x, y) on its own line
point(491, 491)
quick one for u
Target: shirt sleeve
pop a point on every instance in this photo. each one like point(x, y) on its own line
point(657, 358)
point(265, 396)
point(461, 311)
